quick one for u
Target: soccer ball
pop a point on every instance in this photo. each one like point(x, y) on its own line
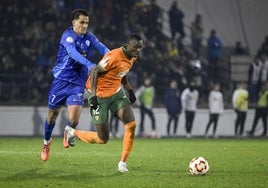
point(198, 166)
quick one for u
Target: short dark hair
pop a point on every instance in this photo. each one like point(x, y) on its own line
point(134, 36)
point(77, 12)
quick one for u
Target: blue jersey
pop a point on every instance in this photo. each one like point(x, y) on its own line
point(73, 58)
point(72, 68)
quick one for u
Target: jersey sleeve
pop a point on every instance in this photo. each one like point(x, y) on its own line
point(99, 46)
point(67, 40)
point(107, 62)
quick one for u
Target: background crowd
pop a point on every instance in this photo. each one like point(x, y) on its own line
point(30, 35)
point(29, 41)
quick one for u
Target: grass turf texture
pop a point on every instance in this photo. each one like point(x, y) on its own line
point(153, 163)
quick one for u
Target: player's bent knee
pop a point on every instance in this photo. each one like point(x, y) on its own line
point(131, 126)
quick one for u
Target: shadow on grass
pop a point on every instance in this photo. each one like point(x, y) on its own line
point(54, 175)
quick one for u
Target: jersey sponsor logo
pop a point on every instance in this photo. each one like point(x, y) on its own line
point(69, 39)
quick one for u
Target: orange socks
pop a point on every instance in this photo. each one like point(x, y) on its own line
point(128, 140)
point(88, 136)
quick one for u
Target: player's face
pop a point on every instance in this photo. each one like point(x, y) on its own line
point(80, 25)
point(134, 48)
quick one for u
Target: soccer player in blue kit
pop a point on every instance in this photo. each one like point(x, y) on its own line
point(70, 74)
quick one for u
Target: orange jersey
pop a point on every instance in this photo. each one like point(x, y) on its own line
point(115, 65)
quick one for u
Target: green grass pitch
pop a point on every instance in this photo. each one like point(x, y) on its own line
point(153, 163)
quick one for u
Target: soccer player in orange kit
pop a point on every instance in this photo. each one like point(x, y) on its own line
point(104, 85)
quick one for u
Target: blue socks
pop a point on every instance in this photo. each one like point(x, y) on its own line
point(48, 130)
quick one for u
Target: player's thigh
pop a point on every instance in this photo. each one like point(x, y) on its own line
point(100, 120)
point(75, 102)
point(120, 105)
point(103, 131)
point(126, 114)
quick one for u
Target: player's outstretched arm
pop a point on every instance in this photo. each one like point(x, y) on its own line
point(78, 57)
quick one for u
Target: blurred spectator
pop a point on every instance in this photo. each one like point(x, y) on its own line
point(176, 70)
point(197, 31)
point(214, 47)
point(108, 12)
point(153, 19)
point(180, 46)
point(39, 35)
point(216, 107)
point(7, 64)
point(172, 50)
point(176, 16)
point(240, 105)
point(172, 101)
point(195, 73)
point(59, 5)
point(254, 75)
point(189, 99)
point(239, 49)
point(261, 111)
point(82, 4)
point(264, 47)
point(41, 60)
point(264, 69)
point(145, 99)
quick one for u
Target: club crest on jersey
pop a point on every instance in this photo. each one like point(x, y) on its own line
point(97, 118)
point(87, 42)
point(69, 39)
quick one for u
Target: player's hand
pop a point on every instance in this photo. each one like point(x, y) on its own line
point(94, 102)
point(132, 96)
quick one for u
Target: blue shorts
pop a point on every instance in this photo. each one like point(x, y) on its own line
point(62, 92)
